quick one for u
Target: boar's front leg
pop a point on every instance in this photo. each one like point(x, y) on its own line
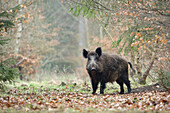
point(94, 85)
point(102, 87)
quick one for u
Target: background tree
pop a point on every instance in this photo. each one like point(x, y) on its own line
point(142, 28)
point(8, 70)
point(48, 40)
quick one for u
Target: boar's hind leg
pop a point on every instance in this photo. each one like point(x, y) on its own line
point(94, 86)
point(120, 82)
point(127, 82)
point(125, 79)
point(102, 87)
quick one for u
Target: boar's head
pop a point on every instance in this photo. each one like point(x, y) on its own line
point(94, 63)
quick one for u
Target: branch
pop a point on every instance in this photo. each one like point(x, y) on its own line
point(106, 8)
point(162, 83)
point(155, 10)
point(19, 62)
point(108, 34)
point(143, 77)
point(106, 30)
point(94, 8)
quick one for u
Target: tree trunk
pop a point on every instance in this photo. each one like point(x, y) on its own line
point(101, 32)
point(18, 35)
point(87, 33)
point(138, 65)
point(82, 33)
point(142, 79)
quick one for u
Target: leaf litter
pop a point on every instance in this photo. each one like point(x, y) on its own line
point(71, 96)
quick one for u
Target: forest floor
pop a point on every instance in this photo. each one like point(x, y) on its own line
point(50, 96)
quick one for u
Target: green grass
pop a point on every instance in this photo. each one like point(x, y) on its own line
point(68, 82)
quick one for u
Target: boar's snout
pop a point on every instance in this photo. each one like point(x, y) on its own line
point(92, 67)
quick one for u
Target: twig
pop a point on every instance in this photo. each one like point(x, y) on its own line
point(108, 33)
point(19, 62)
point(102, 6)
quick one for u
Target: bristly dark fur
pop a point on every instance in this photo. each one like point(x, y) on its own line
point(103, 68)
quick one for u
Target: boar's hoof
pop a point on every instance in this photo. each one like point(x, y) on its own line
point(94, 93)
point(101, 92)
point(129, 90)
point(121, 93)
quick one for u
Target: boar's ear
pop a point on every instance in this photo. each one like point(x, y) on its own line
point(85, 53)
point(99, 51)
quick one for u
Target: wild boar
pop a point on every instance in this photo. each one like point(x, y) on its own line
point(104, 68)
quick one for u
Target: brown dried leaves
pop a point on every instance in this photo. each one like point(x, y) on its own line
point(64, 100)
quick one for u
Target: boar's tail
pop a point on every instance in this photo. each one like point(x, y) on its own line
point(131, 67)
point(131, 73)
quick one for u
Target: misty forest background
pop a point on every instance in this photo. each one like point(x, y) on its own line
point(42, 40)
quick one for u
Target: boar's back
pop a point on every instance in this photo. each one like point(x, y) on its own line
point(113, 66)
